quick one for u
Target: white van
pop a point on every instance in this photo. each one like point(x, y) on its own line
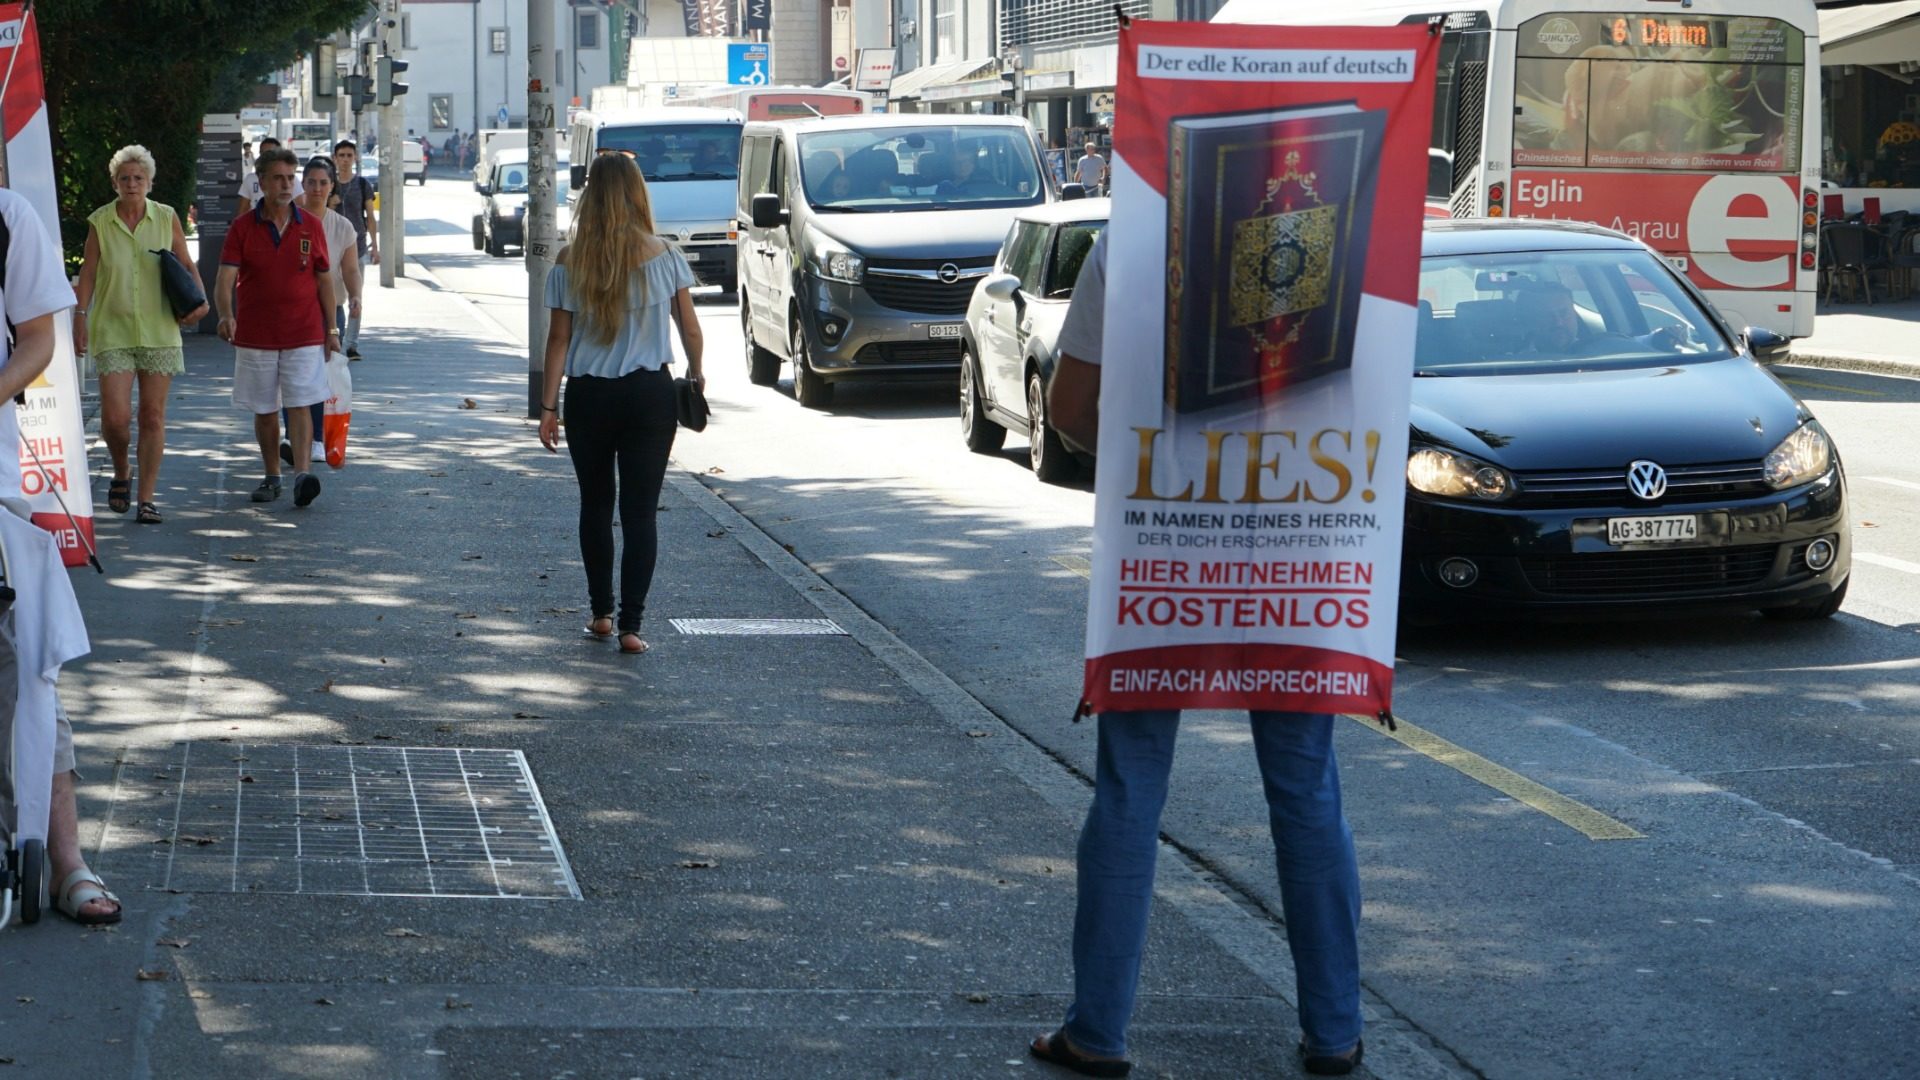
point(691, 159)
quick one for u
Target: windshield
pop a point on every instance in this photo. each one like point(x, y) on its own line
point(513, 179)
point(1702, 92)
point(936, 167)
point(670, 152)
point(317, 130)
point(1548, 310)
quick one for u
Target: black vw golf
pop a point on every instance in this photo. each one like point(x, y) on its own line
point(1588, 434)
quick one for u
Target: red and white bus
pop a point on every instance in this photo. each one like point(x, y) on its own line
point(779, 102)
point(1691, 124)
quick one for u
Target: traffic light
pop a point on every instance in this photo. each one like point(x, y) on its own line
point(385, 86)
point(326, 78)
point(359, 91)
point(1010, 80)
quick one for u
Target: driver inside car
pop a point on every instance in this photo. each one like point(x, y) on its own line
point(1555, 329)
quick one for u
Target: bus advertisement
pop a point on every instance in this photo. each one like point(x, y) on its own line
point(1694, 129)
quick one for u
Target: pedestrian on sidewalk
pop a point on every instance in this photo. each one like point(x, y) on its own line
point(48, 630)
point(276, 258)
point(124, 318)
point(316, 193)
point(248, 196)
point(1091, 170)
point(359, 203)
point(612, 292)
point(1313, 847)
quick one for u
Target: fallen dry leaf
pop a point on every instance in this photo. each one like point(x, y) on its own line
point(698, 864)
point(716, 532)
point(714, 470)
point(979, 998)
point(323, 1001)
point(470, 558)
point(469, 403)
point(244, 558)
point(456, 1003)
point(401, 931)
point(466, 615)
point(528, 716)
point(324, 688)
point(24, 1000)
point(150, 975)
point(203, 841)
point(977, 734)
point(174, 942)
point(246, 780)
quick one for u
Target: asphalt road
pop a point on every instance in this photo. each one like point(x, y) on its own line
point(1759, 926)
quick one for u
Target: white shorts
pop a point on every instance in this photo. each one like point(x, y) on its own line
point(264, 380)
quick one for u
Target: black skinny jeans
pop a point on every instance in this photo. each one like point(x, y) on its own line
point(620, 428)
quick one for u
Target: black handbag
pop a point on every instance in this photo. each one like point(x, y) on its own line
point(690, 404)
point(182, 288)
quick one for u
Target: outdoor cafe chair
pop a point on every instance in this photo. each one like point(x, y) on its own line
point(1853, 254)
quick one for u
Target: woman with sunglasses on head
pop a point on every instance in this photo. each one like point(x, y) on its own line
point(612, 292)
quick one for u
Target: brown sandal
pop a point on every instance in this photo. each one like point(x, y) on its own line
point(592, 629)
point(149, 514)
point(639, 643)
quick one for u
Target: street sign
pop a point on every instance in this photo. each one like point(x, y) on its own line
point(841, 37)
point(500, 118)
point(875, 70)
point(757, 15)
point(749, 64)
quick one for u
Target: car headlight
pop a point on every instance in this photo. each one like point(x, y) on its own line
point(836, 263)
point(1802, 456)
point(1457, 476)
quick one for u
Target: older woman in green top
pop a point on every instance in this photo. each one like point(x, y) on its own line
point(124, 318)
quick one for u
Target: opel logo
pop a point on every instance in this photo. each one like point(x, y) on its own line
point(949, 273)
point(1647, 480)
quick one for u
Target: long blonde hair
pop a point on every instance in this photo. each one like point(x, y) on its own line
point(611, 227)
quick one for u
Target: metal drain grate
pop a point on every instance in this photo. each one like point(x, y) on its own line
point(337, 820)
point(757, 626)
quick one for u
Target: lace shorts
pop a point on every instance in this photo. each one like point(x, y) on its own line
point(142, 360)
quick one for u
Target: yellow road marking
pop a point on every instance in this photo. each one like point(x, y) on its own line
point(1831, 386)
point(1076, 563)
point(1575, 815)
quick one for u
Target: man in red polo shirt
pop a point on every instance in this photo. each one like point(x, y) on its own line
point(278, 258)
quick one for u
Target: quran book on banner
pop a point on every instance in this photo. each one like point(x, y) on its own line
point(1268, 216)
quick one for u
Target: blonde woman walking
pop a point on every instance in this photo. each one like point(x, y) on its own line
point(612, 291)
point(125, 320)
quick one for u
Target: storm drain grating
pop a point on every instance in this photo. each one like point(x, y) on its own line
point(757, 626)
point(336, 820)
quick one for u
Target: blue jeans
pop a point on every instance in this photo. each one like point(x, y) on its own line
point(1313, 851)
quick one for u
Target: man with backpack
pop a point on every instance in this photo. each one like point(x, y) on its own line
point(359, 203)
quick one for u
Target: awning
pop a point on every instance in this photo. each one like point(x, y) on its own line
point(1886, 34)
point(948, 73)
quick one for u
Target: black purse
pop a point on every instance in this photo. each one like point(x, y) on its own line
point(181, 287)
point(690, 404)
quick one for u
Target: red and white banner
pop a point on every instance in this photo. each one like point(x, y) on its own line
point(51, 425)
point(1725, 232)
point(1262, 266)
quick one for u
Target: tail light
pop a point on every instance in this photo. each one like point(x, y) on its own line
point(1496, 200)
point(1810, 230)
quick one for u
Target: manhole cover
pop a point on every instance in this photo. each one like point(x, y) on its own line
point(756, 626)
point(336, 820)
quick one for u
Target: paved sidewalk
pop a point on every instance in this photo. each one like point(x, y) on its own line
point(797, 856)
point(1881, 338)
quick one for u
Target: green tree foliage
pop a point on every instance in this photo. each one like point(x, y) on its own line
point(146, 71)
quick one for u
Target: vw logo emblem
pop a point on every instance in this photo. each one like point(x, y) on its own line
point(1647, 480)
point(949, 273)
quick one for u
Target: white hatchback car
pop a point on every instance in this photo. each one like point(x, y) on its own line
point(1013, 323)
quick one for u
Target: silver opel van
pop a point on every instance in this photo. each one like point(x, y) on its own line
point(862, 238)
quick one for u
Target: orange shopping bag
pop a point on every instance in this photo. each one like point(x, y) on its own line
point(339, 409)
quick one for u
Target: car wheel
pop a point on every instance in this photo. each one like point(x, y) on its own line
point(1812, 610)
point(983, 436)
point(810, 389)
point(479, 232)
point(1050, 460)
point(763, 367)
point(495, 246)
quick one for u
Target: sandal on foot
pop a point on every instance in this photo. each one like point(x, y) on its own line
point(81, 888)
point(632, 642)
point(1333, 1064)
point(119, 495)
point(149, 514)
point(1054, 1049)
point(593, 627)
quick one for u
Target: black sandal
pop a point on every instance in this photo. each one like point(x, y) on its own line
point(1054, 1049)
point(120, 495)
point(1332, 1064)
point(149, 514)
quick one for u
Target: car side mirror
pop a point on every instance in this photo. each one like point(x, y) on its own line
point(1001, 287)
point(767, 212)
point(1070, 192)
point(483, 189)
point(1766, 346)
point(577, 177)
